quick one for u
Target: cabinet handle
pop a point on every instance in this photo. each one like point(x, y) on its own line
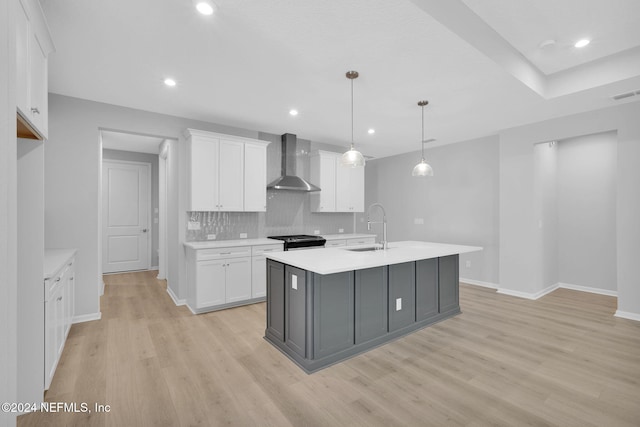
point(144, 230)
point(35, 110)
point(71, 278)
point(59, 299)
point(225, 253)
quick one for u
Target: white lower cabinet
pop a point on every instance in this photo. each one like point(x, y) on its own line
point(226, 277)
point(238, 279)
point(58, 315)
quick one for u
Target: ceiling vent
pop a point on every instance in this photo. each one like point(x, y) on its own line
point(625, 95)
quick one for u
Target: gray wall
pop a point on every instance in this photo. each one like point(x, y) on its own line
point(131, 156)
point(459, 204)
point(72, 183)
point(545, 157)
point(288, 212)
point(587, 211)
point(520, 242)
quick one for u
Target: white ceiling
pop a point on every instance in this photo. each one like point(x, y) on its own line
point(476, 61)
point(123, 141)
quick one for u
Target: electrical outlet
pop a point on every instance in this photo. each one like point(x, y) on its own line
point(398, 304)
point(468, 264)
point(193, 225)
point(243, 235)
point(316, 232)
point(294, 281)
point(211, 237)
point(340, 230)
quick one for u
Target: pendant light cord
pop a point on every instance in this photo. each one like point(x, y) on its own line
point(352, 114)
point(422, 140)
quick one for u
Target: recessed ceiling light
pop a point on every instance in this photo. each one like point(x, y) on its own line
point(582, 43)
point(169, 82)
point(293, 112)
point(371, 131)
point(205, 7)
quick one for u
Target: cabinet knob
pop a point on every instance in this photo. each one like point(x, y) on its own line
point(35, 110)
point(59, 299)
point(144, 230)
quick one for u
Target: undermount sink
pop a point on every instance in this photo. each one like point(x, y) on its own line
point(367, 249)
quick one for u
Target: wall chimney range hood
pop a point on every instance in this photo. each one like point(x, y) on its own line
point(289, 180)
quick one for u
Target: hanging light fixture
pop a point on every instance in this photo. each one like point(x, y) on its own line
point(352, 158)
point(423, 168)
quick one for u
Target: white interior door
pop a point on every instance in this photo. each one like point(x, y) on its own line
point(126, 213)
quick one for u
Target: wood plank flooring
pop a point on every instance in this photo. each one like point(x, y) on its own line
point(562, 360)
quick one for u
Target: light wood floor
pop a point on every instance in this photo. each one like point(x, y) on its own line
point(562, 360)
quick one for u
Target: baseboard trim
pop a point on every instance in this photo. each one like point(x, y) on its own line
point(87, 317)
point(627, 315)
point(479, 283)
point(175, 299)
point(588, 289)
point(527, 295)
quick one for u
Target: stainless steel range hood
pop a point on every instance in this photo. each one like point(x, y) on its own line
point(289, 180)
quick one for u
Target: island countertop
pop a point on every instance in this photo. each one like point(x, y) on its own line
point(337, 260)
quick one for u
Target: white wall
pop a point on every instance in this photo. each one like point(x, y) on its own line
point(30, 270)
point(520, 242)
point(8, 213)
point(459, 204)
point(545, 194)
point(587, 211)
point(72, 182)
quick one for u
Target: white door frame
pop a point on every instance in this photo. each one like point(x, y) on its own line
point(149, 208)
point(163, 177)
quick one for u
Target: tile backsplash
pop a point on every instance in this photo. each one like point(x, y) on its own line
point(288, 212)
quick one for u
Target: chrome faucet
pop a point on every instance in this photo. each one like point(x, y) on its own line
point(383, 222)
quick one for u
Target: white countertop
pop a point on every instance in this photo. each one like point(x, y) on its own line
point(338, 260)
point(211, 244)
point(54, 259)
point(346, 236)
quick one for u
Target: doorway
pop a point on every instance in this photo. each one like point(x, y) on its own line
point(126, 216)
point(133, 147)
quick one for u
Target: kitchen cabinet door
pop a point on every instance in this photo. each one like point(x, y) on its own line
point(238, 279)
point(23, 73)
point(349, 188)
point(448, 283)
point(371, 293)
point(323, 174)
point(258, 276)
point(333, 313)
point(427, 300)
point(203, 174)
point(231, 176)
point(276, 301)
point(255, 178)
point(210, 283)
point(39, 111)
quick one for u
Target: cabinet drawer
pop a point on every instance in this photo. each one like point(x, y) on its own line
point(218, 253)
point(262, 249)
point(335, 243)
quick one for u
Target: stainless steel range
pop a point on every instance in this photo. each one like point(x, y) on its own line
point(300, 241)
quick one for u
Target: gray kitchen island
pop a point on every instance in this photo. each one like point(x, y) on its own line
point(326, 305)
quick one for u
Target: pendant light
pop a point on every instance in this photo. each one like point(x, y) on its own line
point(352, 158)
point(423, 168)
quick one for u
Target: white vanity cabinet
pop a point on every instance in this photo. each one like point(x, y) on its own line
point(59, 291)
point(225, 173)
point(342, 188)
point(226, 274)
point(33, 44)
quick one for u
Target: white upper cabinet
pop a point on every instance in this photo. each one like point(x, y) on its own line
point(349, 188)
point(231, 176)
point(342, 188)
point(255, 177)
point(323, 174)
point(225, 173)
point(33, 44)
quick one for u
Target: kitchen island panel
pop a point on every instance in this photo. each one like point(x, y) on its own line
point(427, 295)
point(448, 275)
point(371, 299)
point(296, 310)
point(333, 319)
point(276, 301)
point(402, 291)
